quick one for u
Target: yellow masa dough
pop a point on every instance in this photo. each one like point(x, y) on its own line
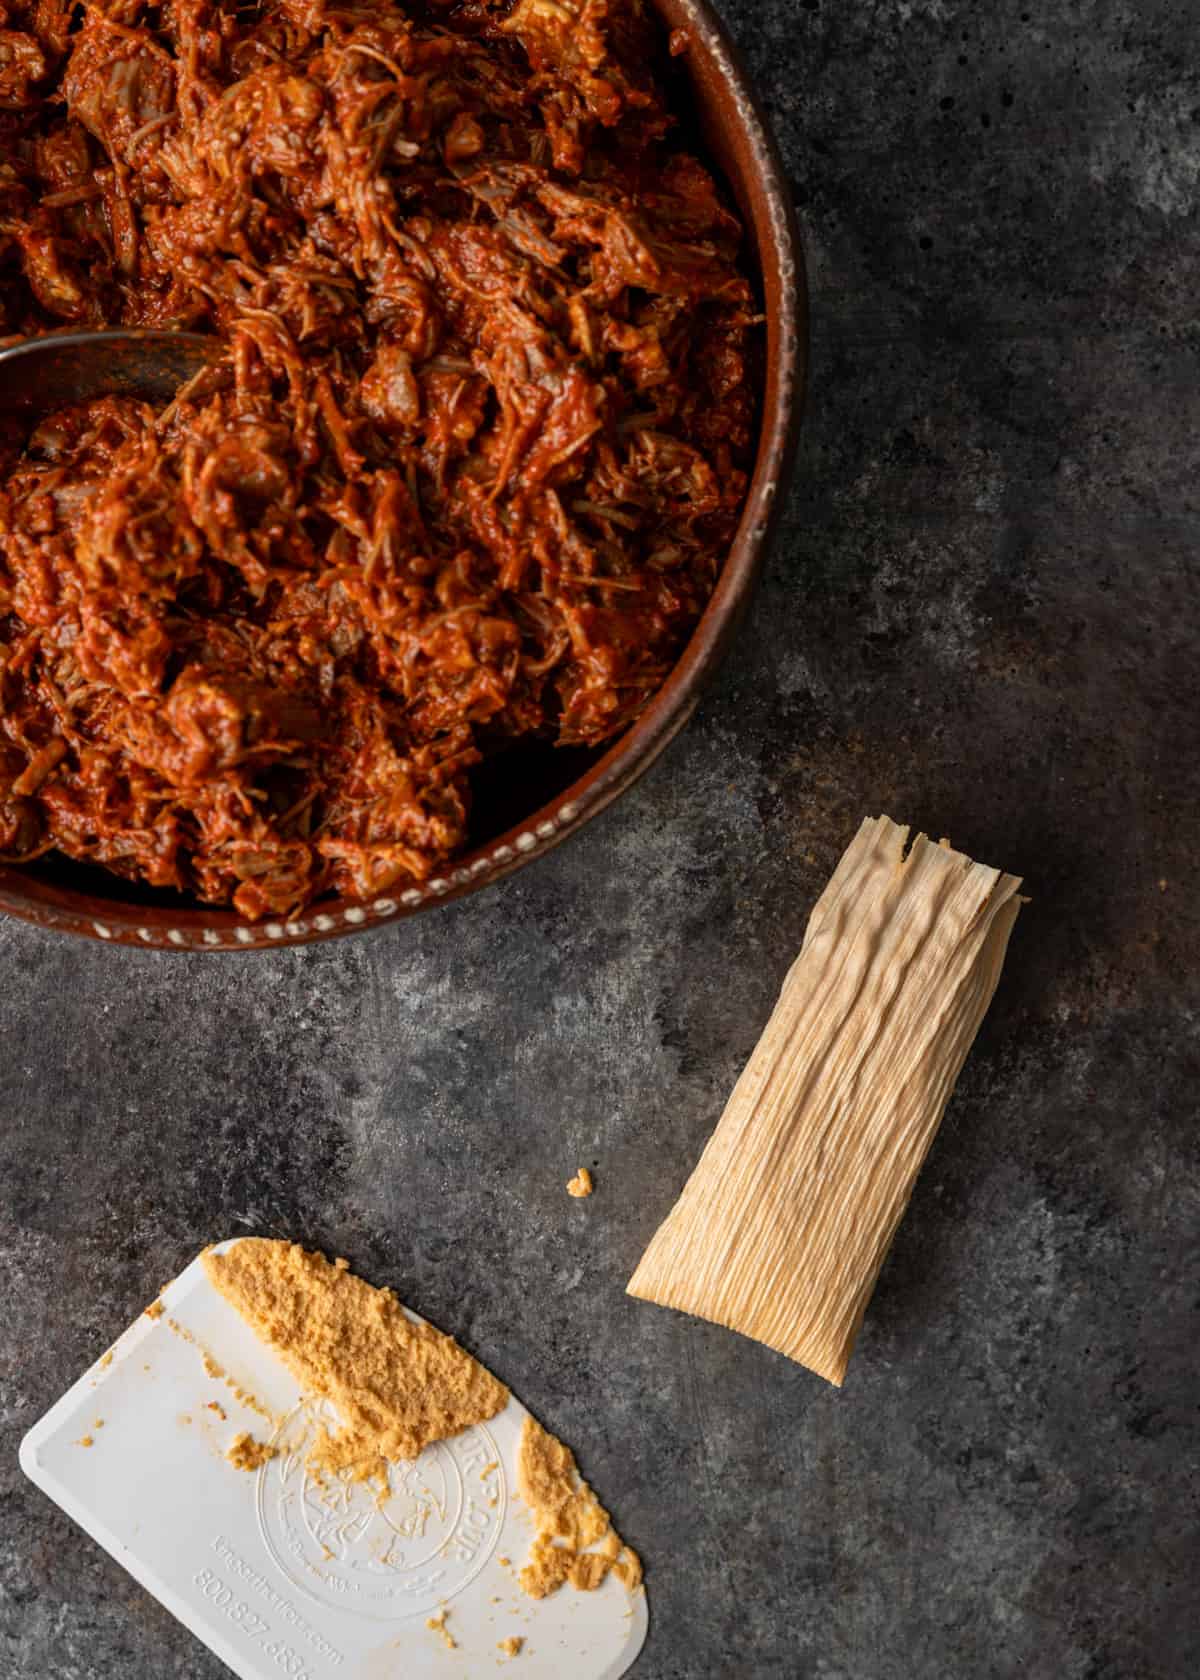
point(570, 1519)
point(399, 1386)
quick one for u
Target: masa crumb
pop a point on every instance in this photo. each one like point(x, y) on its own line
point(86, 1441)
point(218, 1373)
point(628, 1568)
point(155, 1309)
point(437, 1624)
point(582, 1184)
point(216, 1406)
point(570, 1521)
point(396, 1385)
point(511, 1646)
point(105, 1360)
point(245, 1453)
point(588, 1571)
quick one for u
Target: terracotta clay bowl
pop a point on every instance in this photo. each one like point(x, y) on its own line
point(535, 797)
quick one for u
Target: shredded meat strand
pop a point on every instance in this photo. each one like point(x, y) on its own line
point(466, 474)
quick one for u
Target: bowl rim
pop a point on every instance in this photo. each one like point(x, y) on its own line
point(768, 210)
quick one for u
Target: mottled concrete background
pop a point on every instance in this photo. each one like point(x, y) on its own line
point(981, 618)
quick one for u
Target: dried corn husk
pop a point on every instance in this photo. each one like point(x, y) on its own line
point(782, 1228)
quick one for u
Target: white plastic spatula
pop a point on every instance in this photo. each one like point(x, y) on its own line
point(286, 1575)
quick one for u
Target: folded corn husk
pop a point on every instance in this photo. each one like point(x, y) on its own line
point(782, 1228)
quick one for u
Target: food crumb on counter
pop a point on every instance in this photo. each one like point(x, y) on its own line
point(511, 1646)
point(582, 1184)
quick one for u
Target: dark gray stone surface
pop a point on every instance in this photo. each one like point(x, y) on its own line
point(981, 618)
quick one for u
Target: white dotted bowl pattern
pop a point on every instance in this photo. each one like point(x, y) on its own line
point(351, 915)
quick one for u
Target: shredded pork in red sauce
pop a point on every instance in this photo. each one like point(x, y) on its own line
point(469, 471)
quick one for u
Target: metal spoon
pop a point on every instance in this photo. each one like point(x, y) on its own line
point(38, 375)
